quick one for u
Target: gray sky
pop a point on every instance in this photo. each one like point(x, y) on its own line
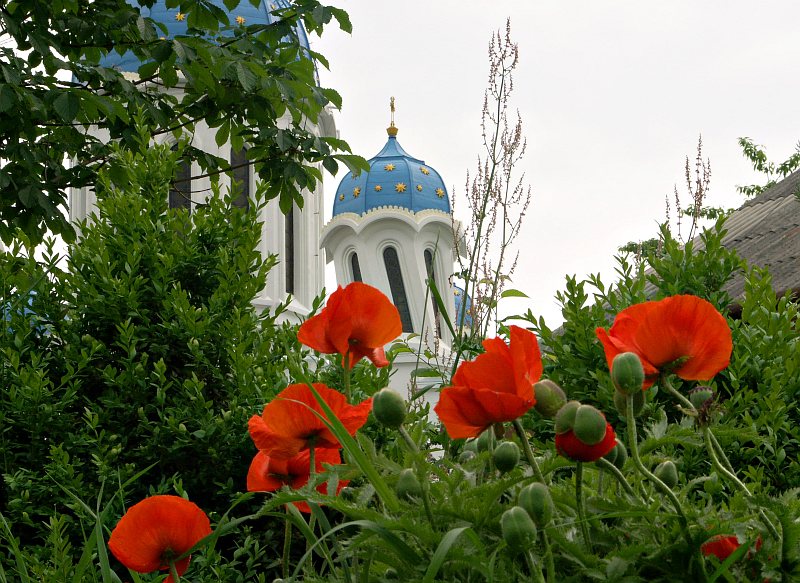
point(613, 95)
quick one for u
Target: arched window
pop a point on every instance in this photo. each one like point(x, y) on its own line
point(398, 289)
point(180, 191)
point(241, 175)
point(355, 267)
point(288, 249)
point(431, 276)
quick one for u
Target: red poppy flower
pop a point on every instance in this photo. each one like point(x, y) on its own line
point(268, 474)
point(685, 335)
point(569, 446)
point(497, 386)
point(156, 531)
point(722, 546)
point(289, 423)
point(357, 321)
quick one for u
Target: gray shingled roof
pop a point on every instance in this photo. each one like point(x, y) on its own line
point(765, 231)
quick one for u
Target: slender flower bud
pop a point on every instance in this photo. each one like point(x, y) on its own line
point(389, 408)
point(565, 418)
point(536, 500)
point(627, 373)
point(621, 403)
point(549, 398)
point(518, 529)
point(506, 456)
point(408, 485)
point(667, 473)
point(590, 425)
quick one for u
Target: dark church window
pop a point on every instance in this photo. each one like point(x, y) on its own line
point(241, 176)
point(180, 191)
point(288, 255)
point(393, 271)
point(356, 267)
point(431, 276)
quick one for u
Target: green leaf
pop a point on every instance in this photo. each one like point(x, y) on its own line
point(67, 105)
point(513, 293)
point(8, 97)
point(437, 560)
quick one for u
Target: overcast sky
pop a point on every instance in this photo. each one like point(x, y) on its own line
point(613, 95)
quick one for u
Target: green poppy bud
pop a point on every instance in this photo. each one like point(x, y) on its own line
point(621, 403)
point(408, 485)
point(391, 574)
point(611, 456)
point(700, 396)
point(549, 398)
point(519, 531)
point(565, 418)
point(536, 500)
point(471, 445)
point(389, 408)
point(466, 456)
point(667, 473)
point(627, 373)
point(590, 425)
point(483, 440)
point(506, 456)
point(621, 455)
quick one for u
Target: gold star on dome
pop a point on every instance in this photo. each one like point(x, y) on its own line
point(180, 17)
point(419, 188)
point(378, 188)
point(356, 191)
point(440, 192)
point(456, 293)
point(341, 196)
point(424, 170)
point(389, 167)
point(240, 20)
point(400, 187)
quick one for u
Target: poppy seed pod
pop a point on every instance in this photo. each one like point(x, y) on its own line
point(589, 425)
point(621, 403)
point(549, 398)
point(506, 456)
point(518, 529)
point(565, 418)
point(627, 373)
point(408, 485)
point(536, 500)
point(389, 408)
point(700, 396)
point(667, 473)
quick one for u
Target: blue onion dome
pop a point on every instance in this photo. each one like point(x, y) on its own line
point(245, 14)
point(395, 179)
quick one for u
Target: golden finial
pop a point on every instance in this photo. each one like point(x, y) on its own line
point(392, 129)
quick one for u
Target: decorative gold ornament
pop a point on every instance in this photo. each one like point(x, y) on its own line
point(400, 187)
point(341, 196)
point(424, 170)
point(419, 188)
point(356, 191)
point(389, 167)
point(180, 17)
point(440, 192)
point(378, 188)
point(240, 20)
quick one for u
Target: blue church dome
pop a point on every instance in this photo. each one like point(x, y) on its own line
point(176, 22)
point(395, 178)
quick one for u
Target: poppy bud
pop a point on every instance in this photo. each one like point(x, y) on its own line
point(519, 531)
point(506, 456)
point(391, 574)
point(408, 485)
point(621, 403)
point(565, 418)
point(667, 473)
point(471, 445)
point(483, 440)
point(389, 408)
point(466, 456)
point(590, 425)
point(611, 456)
point(627, 373)
point(549, 398)
point(621, 455)
point(700, 396)
point(536, 500)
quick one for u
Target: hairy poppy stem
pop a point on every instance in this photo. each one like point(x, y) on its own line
point(637, 461)
point(607, 465)
point(536, 572)
point(579, 503)
point(526, 447)
point(421, 475)
point(347, 377)
point(174, 572)
point(287, 545)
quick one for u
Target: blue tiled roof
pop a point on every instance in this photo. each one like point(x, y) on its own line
point(170, 17)
point(395, 178)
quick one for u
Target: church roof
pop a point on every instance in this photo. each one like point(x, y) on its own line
point(176, 23)
point(396, 179)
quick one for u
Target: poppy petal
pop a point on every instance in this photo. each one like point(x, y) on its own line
point(259, 478)
point(467, 412)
